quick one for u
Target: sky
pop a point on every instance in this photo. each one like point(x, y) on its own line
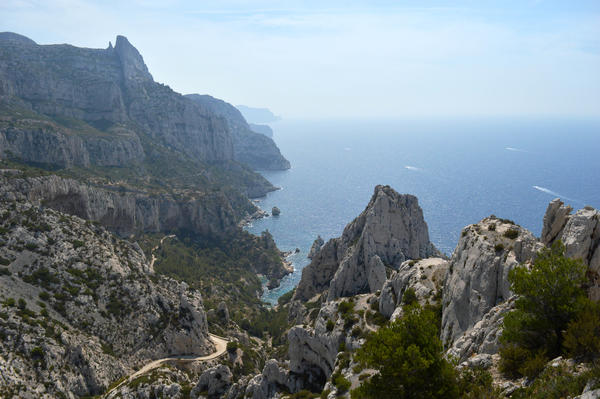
point(349, 59)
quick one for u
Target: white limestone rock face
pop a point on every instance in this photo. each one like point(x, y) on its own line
point(215, 381)
point(477, 278)
point(268, 384)
point(425, 276)
point(483, 337)
point(389, 231)
point(580, 233)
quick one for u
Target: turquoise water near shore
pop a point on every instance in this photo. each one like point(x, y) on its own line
point(461, 171)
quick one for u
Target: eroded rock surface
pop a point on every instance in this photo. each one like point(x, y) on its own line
point(580, 233)
point(477, 278)
point(91, 310)
point(389, 231)
point(425, 277)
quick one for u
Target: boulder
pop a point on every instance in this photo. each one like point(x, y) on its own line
point(214, 382)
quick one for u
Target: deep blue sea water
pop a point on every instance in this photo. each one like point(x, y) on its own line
point(461, 171)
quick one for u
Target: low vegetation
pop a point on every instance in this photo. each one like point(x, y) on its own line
point(553, 315)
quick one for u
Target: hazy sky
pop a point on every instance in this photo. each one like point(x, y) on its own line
point(349, 58)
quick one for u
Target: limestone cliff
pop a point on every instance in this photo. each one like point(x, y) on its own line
point(477, 278)
point(81, 308)
point(580, 233)
point(210, 214)
point(249, 147)
point(106, 88)
point(389, 231)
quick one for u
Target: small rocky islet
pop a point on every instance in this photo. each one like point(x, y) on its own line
point(121, 277)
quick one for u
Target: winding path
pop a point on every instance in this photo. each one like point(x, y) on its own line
point(220, 344)
point(156, 247)
point(220, 349)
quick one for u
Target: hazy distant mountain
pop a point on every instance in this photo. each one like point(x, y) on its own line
point(257, 115)
point(262, 129)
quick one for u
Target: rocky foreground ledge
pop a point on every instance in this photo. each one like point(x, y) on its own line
point(357, 281)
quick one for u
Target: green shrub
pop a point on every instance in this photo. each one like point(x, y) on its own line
point(77, 244)
point(37, 353)
point(498, 247)
point(582, 338)
point(415, 367)
point(477, 384)
point(232, 346)
point(511, 233)
point(4, 262)
point(550, 296)
point(44, 296)
point(9, 302)
point(22, 304)
point(555, 382)
point(286, 298)
point(303, 394)
point(341, 383)
point(492, 227)
point(330, 325)
point(409, 297)
point(4, 271)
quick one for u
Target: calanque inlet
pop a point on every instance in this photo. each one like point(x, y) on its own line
point(125, 271)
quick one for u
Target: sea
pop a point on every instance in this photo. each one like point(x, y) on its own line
point(461, 170)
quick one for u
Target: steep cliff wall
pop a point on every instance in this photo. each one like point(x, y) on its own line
point(251, 148)
point(127, 212)
point(477, 278)
point(108, 88)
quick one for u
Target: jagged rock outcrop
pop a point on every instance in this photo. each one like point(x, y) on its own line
point(389, 231)
point(267, 385)
point(213, 382)
point(580, 233)
point(249, 147)
point(425, 277)
point(127, 212)
point(314, 350)
point(315, 247)
point(90, 307)
point(262, 129)
point(484, 337)
point(477, 278)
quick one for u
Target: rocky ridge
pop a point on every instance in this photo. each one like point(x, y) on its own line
point(66, 106)
point(209, 214)
point(80, 308)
